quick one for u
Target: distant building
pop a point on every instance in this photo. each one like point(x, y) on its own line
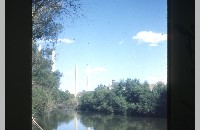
point(112, 85)
point(113, 82)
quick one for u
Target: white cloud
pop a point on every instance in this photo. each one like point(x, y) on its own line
point(150, 37)
point(153, 44)
point(66, 41)
point(63, 40)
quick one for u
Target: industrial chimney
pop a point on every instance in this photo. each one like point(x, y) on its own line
point(76, 79)
point(54, 60)
point(88, 72)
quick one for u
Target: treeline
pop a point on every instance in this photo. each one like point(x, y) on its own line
point(129, 97)
point(47, 17)
point(46, 95)
point(47, 24)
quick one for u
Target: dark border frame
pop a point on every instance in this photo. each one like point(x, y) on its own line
point(18, 96)
point(181, 65)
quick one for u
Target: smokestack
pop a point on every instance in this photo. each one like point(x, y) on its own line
point(88, 72)
point(76, 78)
point(53, 59)
point(40, 47)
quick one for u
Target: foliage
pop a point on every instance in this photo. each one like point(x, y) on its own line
point(45, 100)
point(86, 101)
point(46, 95)
point(160, 92)
point(47, 14)
point(128, 97)
point(46, 18)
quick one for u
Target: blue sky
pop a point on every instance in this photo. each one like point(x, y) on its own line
point(118, 39)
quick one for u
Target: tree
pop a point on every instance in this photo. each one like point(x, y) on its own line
point(127, 97)
point(47, 16)
point(42, 74)
point(119, 105)
point(132, 90)
point(119, 88)
point(103, 99)
point(47, 13)
point(86, 101)
point(100, 95)
point(42, 101)
point(160, 94)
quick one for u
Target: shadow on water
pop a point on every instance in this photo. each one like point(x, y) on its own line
point(91, 121)
point(53, 120)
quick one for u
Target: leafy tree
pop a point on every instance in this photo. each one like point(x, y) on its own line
point(100, 95)
point(160, 93)
point(132, 90)
point(42, 101)
point(103, 99)
point(47, 13)
point(127, 97)
point(119, 88)
point(86, 101)
point(119, 105)
point(146, 100)
point(41, 69)
point(47, 16)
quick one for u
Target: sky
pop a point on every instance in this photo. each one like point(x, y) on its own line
point(116, 40)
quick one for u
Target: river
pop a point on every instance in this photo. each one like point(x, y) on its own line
point(71, 120)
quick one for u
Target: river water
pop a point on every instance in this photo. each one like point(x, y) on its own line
point(71, 120)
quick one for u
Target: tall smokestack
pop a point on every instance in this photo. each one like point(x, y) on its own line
point(54, 60)
point(88, 76)
point(39, 47)
point(76, 78)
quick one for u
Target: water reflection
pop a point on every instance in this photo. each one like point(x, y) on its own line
point(75, 121)
point(53, 120)
point(91, 121)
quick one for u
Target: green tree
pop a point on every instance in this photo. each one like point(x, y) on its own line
point(86, 101)
point(103, 99)
point(132, 90)
point(46, 15)
point(127, 97)
point(42, 101)
point(160, 94)
point(146, 100)
point(119, 88)
point(119, 105)
point(42, 74)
